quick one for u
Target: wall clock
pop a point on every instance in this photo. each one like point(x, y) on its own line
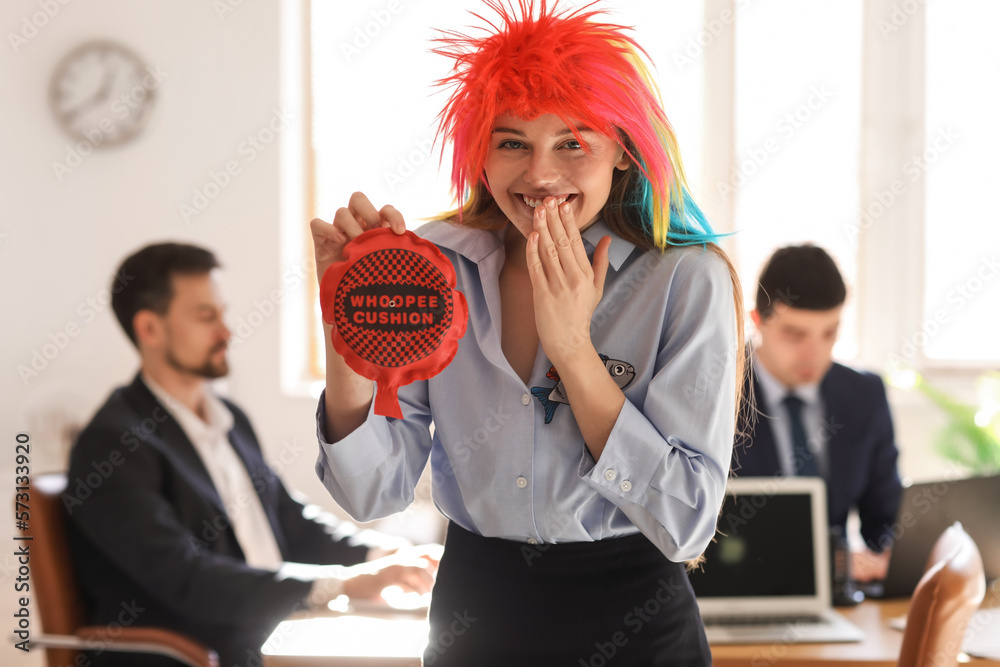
point(102, 92)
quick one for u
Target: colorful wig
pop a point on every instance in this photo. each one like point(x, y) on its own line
point(584, 71)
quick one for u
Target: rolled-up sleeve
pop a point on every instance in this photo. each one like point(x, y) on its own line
point(666, 461)
point(373, 471)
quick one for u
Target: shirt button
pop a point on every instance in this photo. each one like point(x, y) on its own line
point(626, 486)
point(610, 475)
point(532, 540)
point(525, 399)
point(521, 482)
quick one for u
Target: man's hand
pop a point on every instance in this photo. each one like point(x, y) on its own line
point(866, 565)
point(411, 568)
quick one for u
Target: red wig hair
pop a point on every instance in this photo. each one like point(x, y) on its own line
point(560, 62)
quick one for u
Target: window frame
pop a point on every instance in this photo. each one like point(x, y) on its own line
point(891, 250)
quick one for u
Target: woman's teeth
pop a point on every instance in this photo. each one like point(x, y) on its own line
point(538, 202)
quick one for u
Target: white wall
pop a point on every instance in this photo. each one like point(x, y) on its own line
point(60, 242)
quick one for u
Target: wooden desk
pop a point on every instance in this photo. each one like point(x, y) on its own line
point(349, 641)
point(339, 640)
point(879, 648)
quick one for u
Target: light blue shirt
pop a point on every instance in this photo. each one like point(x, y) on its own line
point(775, 411)
point(499, 470)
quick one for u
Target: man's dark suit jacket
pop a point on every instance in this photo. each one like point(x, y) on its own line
point(861, 451)
point(153, 545)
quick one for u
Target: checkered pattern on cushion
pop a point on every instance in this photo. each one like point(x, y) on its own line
point(392, 346)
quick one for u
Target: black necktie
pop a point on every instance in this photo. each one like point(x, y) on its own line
point(803, 460)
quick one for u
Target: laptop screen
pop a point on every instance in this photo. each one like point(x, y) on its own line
point(763, 548)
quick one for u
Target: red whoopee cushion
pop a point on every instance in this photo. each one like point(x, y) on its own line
point(396, 314)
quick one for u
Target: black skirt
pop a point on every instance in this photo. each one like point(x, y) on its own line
point(614, 603)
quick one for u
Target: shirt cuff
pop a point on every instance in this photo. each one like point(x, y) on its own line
point(356, 453)
point(632, 455)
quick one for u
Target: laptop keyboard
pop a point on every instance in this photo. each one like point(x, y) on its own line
point(805, 619)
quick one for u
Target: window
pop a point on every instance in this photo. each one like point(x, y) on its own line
point(962, 148)
point(809, 110)
point(797, 113)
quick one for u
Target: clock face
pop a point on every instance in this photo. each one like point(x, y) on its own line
point(103, 93)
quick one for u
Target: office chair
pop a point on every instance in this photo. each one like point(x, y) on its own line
point(61, 606)
point(952, 588)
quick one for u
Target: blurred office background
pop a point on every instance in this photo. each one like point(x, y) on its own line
point(865, 126)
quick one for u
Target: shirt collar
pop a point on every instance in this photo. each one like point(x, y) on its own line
point(620, 248)
point(775, 391)
point(219, 418)
point(477, 244)
point(473, 244)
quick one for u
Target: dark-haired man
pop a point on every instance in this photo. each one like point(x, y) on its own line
point(818, 417)
point(189, 526)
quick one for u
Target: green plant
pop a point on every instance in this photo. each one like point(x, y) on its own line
point(972, 435)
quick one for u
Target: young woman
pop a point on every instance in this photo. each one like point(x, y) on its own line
point(583, 432)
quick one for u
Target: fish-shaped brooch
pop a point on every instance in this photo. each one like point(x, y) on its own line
point(550, 397)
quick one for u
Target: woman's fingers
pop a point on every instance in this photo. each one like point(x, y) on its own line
point(363, 210)
point(560, 220)
point(547, 252)
point(345, 220)
point(536, 272)
point(323, 231)
point(328, 245)
point(329, 238)
point(575, 238)
point(392, 218)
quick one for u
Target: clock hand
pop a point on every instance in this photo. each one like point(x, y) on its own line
point(101, 96)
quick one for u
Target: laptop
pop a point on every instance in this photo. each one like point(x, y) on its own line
point(766, 576)
point(926, 510)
